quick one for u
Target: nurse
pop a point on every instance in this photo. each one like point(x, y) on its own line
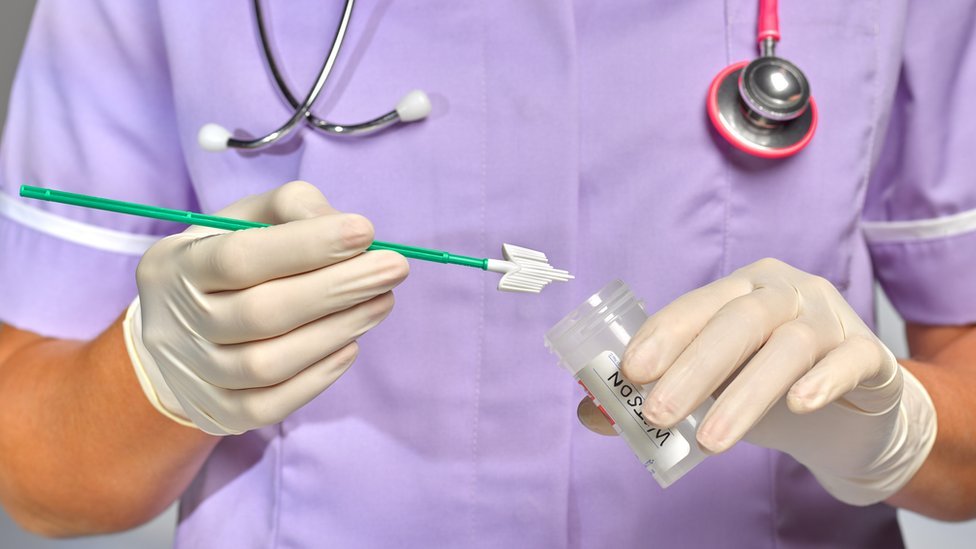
point(215, 368)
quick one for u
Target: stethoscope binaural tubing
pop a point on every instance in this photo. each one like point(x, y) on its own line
point(413, 106)
point(364, 128)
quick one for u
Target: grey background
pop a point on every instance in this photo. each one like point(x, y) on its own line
point(920, 532)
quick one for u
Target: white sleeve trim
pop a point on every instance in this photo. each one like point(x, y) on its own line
point(920, 229)
point(91, 236)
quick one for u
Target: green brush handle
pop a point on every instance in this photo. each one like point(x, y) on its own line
point(227, 223)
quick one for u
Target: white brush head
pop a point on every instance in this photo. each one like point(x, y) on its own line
point(526, 270)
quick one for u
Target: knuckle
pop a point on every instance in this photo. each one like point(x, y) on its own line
point(279, 200)
point(801, 334)
point(208, 327)
point(657, 324)
point(355, 231)
point(291, 190)
point(229, 260)
point(152, 264)
point(769, 269)
point(667, 327)
point(254, 411)
point(252, 315)
point(283, 199)
point(769, 263)
point(748, 308)
point(872, 348)
point(736, 315)
point(148, 271)
point(822, 284)
point(298, 186)
point(252, 369)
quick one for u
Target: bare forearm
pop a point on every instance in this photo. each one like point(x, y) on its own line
point(945, 486)
point(81, 449)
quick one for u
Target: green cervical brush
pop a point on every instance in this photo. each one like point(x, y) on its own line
point(524, 270)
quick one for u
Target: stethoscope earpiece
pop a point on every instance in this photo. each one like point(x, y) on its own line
point(764, 107)
point(413, 106)
point(213, 137)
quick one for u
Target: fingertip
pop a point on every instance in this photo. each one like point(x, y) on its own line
point(393, 265)
point(627, 364)
point(709, 445)
point(401, 265)
point(717, 433)
point(800, 403)
point(380, 307)
point(348, 354)
point(636, 366)
point(356, 231)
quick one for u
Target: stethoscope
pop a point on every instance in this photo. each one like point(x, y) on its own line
point(413, 106)
point(762, 107)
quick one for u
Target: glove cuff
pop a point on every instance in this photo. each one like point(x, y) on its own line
point(153, 386)
point(910, 443)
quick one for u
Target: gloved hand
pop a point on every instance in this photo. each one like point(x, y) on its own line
point(858, 420)
point(236, 330)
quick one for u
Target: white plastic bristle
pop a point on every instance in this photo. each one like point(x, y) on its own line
point(525, 270)
point(517, 251)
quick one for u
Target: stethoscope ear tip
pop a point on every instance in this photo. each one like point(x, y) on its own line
point(213, 137)
point(412, 107)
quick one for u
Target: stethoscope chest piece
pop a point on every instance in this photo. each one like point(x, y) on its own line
point(764, 107)
point(756, 121)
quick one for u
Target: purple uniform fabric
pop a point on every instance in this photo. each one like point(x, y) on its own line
point(575, 128)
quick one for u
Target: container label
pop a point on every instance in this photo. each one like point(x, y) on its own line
point(621, 399)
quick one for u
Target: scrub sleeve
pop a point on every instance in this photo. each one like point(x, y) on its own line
point(920, 211)
point(91, 111)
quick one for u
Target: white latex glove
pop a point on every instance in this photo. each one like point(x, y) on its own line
point(236, 330)
point(857, 419)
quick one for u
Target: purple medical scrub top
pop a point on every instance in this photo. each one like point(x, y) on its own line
point(578, 128)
